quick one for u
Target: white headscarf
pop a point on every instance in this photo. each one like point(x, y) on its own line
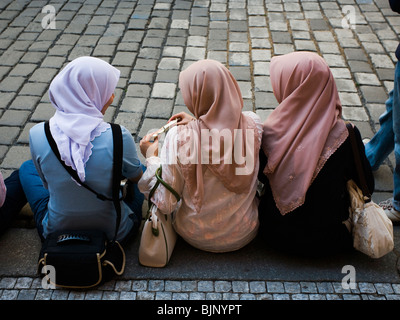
point(79, 93)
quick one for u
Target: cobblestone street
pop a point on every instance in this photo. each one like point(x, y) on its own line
point(26, 288)
point(150, 42)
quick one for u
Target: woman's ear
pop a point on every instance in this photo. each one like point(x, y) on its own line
point(103, 111)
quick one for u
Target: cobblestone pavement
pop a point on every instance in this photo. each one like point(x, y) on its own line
point(150, 42)
point(26, 288)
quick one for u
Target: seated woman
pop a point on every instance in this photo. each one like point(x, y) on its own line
point(80, 93)
point(218, 208)
point(306, 160)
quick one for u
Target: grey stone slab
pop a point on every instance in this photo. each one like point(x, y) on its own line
point(141, 77)
point(11, 84)
point(14, 117)
point(159, 108)
point(23, 69)
point(150, 125)
point(43, 75)
point(43, 112)
point(24, 136)
point(163, 90)
point(124, 59)
point(35, 88)
point(373, 94)
point(8, 135)
point(15, 156)
point(133, 104)
point(167, 76)
point(130, 120)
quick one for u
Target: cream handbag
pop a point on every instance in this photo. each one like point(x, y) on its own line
point(372, 230)
point(158, 235)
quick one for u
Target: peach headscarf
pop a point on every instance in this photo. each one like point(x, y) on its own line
point(304, 130)
point(212, 94)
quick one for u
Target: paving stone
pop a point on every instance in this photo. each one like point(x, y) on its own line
point(167, 76)
point(23, 69)
point(223, 286)
point(239, 59)
point(43, 294)
point(151, 42)
point(43, 112)
point(366, 287)
point(173, 286)
point(144, 295)
point(24, 102)
point(384, 288)
point(169, 63)
point(15, 157)
point(142, 77)
point(26, 294)
point(381, 61)
point(150, 125)
point(130, 121)
point(14, 117)
point(11, 84)
point(373, 94)
point(159, 108)
point(193, 53)
point(133, 104)
point(240, 286)
point(127, 295)
point(163, 296)
point(367, 79)
point(8, 134)
point(197, 296)
point(308, 287)
point(8, 283)
point(163, 90)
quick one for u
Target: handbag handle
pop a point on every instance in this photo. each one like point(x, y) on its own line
point(158, 175)
point(357, 160)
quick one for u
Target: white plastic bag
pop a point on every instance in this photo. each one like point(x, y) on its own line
point(372, 230)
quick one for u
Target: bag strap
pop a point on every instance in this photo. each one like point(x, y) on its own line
point(117, 172)
point(117, 169)
point(158, 175)
point(358, 163)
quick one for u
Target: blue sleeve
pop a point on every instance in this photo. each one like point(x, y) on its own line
point(131, 165)
point(37, 138)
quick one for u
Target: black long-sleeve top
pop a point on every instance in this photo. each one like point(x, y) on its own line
point(316, 227)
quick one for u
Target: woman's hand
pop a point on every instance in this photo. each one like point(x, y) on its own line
point(148, 148)
point(184, 117)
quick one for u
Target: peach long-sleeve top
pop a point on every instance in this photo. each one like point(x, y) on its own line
point(227, 221)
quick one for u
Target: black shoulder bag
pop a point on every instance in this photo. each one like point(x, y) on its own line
point(85, 258)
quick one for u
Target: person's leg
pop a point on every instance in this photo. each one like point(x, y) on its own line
point(134, 199)
point(15, 200)
point(382, 143)
point(396, 130)
point(36, 194)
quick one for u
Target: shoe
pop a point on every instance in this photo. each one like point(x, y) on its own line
point(390, 211)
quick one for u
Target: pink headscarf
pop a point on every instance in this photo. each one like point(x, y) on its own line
point(304, 130)
point(212, 94)
point(79, 93)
